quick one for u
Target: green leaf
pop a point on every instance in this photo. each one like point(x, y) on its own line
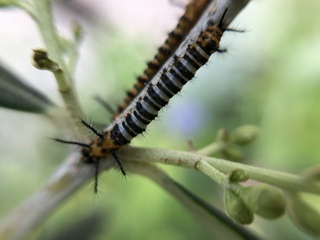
point(17, 95)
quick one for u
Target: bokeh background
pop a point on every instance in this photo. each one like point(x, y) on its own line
point(270, 77)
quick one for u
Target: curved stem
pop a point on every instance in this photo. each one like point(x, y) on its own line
point(73, 174)
point(43, 17)
point(211, 149)
point(221, 226)
point(48, 32)
point(211, 172)
point(26, 6)
point(190, 160)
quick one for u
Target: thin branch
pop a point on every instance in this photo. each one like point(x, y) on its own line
point(43, 17)
point(215, 220)
point(25, 5)
point(211, 149)
point(190, 160)
point(48, 32)
point(71, 175)
point(220, 225)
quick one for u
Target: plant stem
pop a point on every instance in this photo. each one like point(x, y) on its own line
point(211, 172)
point(70, 176)
point(211, 149)
point(26, 6)
point(210, 217)
point(43, 17)
point(47, 29)
point(190, 160)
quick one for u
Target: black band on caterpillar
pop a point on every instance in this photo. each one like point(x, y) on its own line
point(171, 82)
point(192, 14)
point(156, 96)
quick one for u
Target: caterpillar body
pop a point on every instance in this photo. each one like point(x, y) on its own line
point(156, 96)
point(190, 17)
point(195, 50)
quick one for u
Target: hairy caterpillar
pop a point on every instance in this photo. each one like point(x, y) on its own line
point(171, 81)
point(190, 17)
point(133, 121)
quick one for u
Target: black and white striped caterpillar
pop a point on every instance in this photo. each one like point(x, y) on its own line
point(157, 94)
point(171, 82)
point(190, 17)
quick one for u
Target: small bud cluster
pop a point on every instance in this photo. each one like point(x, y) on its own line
point(231, 142)
point(242, 203)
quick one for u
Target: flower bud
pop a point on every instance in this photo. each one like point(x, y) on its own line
point(303, 215)
point(238, 175)
point(236, 208)
point(77, 31)
point(244, 135)
point(266, 201)
point(42, 61)
point(232, 152)
point(223, 136)
point(312, 173)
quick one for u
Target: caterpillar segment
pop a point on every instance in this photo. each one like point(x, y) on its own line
point(170, 83)
point(190, 17)
point(152, 99)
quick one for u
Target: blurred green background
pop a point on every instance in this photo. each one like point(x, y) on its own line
point(270, 77)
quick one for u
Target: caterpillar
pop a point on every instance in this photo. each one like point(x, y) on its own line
point(190, 17)
point(155, 96)
point(170, 83)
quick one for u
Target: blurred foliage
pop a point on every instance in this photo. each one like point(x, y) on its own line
point(269, 78)
point(17, 95)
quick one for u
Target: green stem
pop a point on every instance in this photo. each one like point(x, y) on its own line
point(73, 46)
point(43, 18)
point(211, 149)
point(208, 216)
point(190, 160)
point(210, 171)
point(26, 6)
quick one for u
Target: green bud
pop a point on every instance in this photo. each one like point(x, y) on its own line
point(238, 175)
point(312, 174)
point(244, 135)
point(236, 208)
point(266, 201)
point(303, 215)
point(77, 31)
point(232, 152)
point(42, 61)
point(223, 136)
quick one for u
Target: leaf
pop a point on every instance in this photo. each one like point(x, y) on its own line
point(17, 95)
